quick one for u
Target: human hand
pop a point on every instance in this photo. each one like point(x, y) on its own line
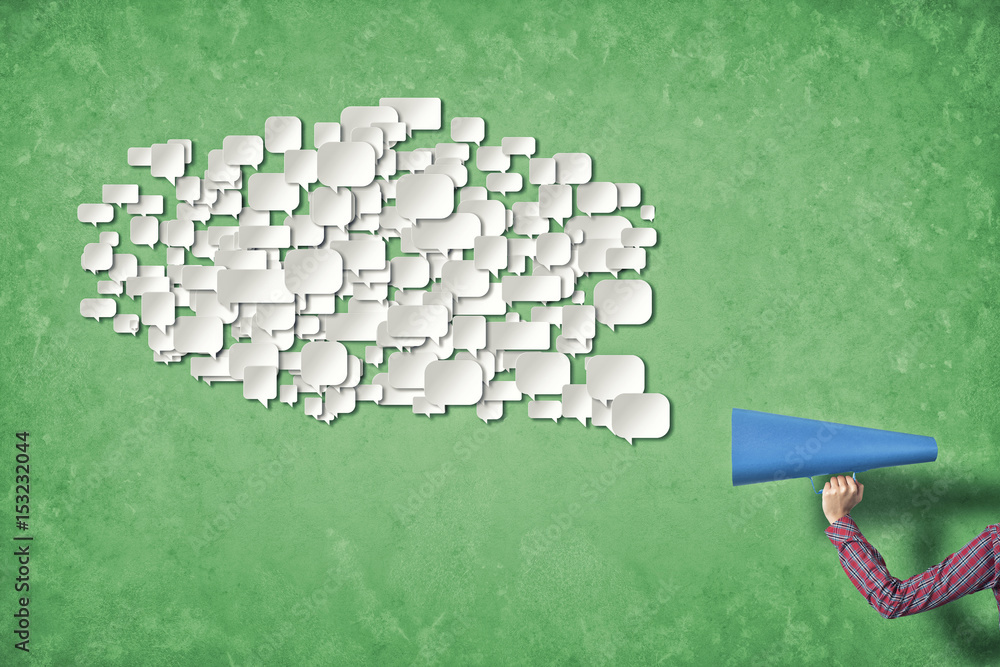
point(840, 495)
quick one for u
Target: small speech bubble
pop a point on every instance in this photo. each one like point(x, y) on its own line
point(198, 335)
point(141, 156)
point(555, 201)
point(490, 253)
point(458, 382)
point(144, 230)
point(260, 383)
point(95, 213)
point(545, 410)
point(543, 289)
point(468, 130)
point(577, 403)
point(463, 279)
point(319, 271)
point(253, 286)
point(638, 237)
point(418, 113)
point(98, 308)
point(504, 183)
point(640, 416)
point(456, 232)
point(578, 322)
point(301, 167)
point(331, 208)
point(542, 171)
point(126, 323)
point(243, 149)
point(629, 195)
point(573, 168)
point(518, 146)
point(324, 363)
point(597, 197)
point(109, 287)
point(555, 249)
point(492, 158)
point(425, 196)
point(159, 309)
point(188, 189)
point(623, 302)
point(167, 161)
point(97, 257)
point(409, 272)
point(282, 134)
point(541, 373)
point(609, 375)
point(346, 164)
point(270, 192)
point(220, 171)
point(123, 267)
point(120, 194)
point(417, 321)
point(647, 213)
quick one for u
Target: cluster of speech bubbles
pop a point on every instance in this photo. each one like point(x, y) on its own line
point(447, 323)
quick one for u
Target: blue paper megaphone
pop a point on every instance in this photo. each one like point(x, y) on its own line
point(767, 448)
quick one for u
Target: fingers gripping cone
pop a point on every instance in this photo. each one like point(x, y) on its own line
point(768, 448)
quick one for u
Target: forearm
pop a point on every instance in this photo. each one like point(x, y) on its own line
point(971, 569)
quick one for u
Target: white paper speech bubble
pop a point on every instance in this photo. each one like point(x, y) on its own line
point(97, 257)
point(468, 129)
point(331, 208)
point(98, 308)
point(270, 192)
point(301, 167)
point(167, 161)
point(609, 375)
point(542, 373)
point(623, 302)
point(425, 196)
point(197, 334)
point(640, 416)
point(597, 197)
point(282, 134)
point(458, 382)
point(418, 113)
point(120, 194)
point(127, 323)
point(504, 183)
point(159, 309)
point(95, 213)
point(417, 321)
point(324, 363)
point(346, 164)
point(318, 271)
point(244, 149)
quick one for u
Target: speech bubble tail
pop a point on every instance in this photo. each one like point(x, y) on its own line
point(611, 326)
point(583, 421)
point(172, 179)
point(207, 381)
point(263, 401)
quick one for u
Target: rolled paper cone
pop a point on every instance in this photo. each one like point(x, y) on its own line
point(768, 448)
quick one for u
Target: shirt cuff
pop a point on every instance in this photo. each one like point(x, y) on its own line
point(842, 530)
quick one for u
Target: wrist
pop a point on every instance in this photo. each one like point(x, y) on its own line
point(834, 518)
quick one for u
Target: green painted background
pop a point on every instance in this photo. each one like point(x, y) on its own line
point(825, 176)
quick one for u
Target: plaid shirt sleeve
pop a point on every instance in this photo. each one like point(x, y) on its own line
point(973, 568)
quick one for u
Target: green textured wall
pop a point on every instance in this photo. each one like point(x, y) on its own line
point(825, 176)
